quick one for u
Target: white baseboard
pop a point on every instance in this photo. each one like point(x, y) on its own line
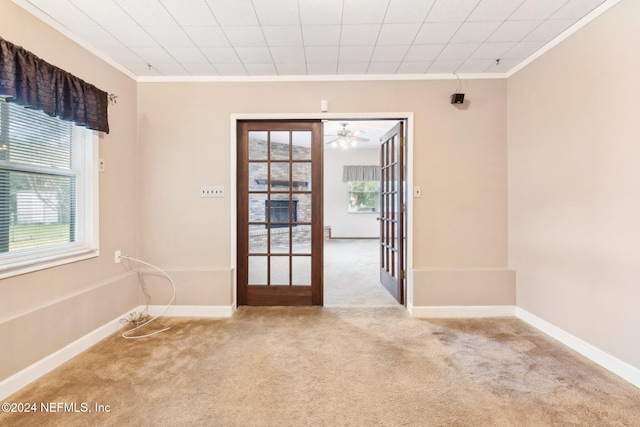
point(463, 311)
point(31, 373)
point(607, 361)
point(15, 382)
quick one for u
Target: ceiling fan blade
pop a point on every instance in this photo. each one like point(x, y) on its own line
point(357, 138)
point(333, 140)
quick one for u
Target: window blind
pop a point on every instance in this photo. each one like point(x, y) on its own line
point(43, 185)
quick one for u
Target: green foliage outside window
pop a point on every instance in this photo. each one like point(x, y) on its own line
point(364, 196)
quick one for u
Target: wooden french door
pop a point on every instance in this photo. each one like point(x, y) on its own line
point(392, 212)
point(280, 242)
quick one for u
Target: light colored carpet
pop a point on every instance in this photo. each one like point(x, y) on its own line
point(347, 366)
point(352, 274)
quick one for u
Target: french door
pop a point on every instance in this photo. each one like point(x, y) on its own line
point(392, 212)
point(280, 241)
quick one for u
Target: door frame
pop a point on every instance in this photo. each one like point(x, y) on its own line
point(232, 191)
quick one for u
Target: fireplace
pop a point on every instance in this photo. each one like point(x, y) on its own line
point(280, 213)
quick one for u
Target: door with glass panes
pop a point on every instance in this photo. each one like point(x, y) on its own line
point(279, 213)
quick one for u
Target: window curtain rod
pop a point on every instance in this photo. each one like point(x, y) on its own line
point(29, 81)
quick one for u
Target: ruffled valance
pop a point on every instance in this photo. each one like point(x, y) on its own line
point(360, 173)
point(28, 80)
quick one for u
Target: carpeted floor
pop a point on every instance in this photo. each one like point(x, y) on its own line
point(341, 366)
point(360, 361)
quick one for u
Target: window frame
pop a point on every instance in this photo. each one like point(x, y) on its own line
point(350, 191)
point(43, 258)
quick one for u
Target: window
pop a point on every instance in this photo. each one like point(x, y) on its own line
point(48, 191)
point(364, 196)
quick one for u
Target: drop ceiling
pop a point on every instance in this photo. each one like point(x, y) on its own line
point(365, 38)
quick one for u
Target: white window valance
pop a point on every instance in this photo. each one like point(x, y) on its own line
point(358, 173)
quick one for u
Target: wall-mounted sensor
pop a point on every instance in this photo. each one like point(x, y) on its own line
point(324, 106)
point(457, 98)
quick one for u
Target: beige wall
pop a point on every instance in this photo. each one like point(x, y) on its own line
point(42, 312)
point(459, 158)
point(574, 192)
point(336, 199)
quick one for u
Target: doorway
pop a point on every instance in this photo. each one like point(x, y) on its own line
point(362, 163)
point(237, 237)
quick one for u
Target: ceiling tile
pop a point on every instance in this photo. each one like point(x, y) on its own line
point(523, 50)
point(170, 69)
point(230, 69)
point(356, 53)
point(190, 12)
point(494, 10)
point(125, 55)
point(537, 9)
point(405, 11)
point(147, 12)
point(364, 11)
point(207, 36)
point(62, 11)
point(97, 36)
point(169, 35)
point(131, 35)
point(277, 12)
point(548, 30)
point(383, 67)
point(244, 36)
point(187, 55)
point(353, 67)
point(140, 69)
point(475, 66)
point(290, 54)
point(436, 33)
point(237, 12)
point(359, 35)
point(395, 34)
point(451, 10)
point(389, 53)
point(321, 53)
point(492, 50)
point(475, 32)
point(200, 69)
point(291, 69)
point(283, 35)
point(104, 12)
point(414, 67)
point(221, 55)
point(577, 9)
point(453, 52)
point(320, 12)
point(424, 52)
point(254, 55)
point(153, 55)
point(261, 69)
point(322, 68)
point(513, 31)
point(321, 35)
point(445, 66)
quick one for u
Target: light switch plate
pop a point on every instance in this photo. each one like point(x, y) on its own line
point(208, 191)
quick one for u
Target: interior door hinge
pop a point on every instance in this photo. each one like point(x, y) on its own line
point(403, 207)
point(403, 274)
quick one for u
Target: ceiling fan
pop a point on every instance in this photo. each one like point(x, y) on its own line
point(346, 137)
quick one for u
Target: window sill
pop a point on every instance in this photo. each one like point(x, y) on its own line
point(36, 265)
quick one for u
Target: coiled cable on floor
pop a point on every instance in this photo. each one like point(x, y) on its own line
point(127, 333)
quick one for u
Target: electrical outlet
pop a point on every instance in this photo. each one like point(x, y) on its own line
point(211, 191)
point(417, 191)
point(101, 165)
point(118, 254)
